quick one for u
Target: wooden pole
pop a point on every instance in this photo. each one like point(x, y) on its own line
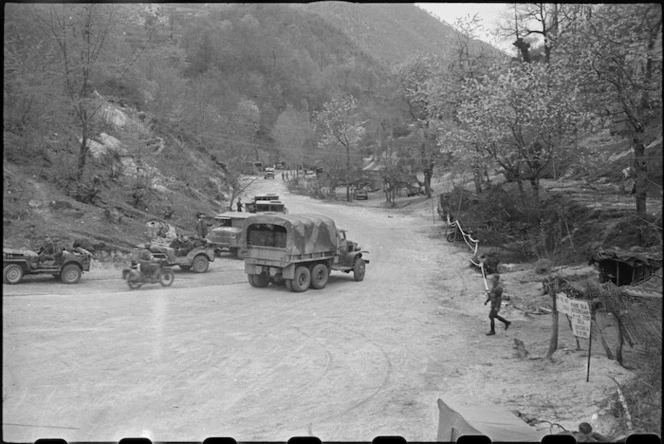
point(578, 345)
point(590, 344)
point(433, 211)
point(553, 340)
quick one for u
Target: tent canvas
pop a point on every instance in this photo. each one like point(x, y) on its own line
point(457, 418)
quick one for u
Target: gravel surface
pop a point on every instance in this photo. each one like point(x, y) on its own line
point(214, 356)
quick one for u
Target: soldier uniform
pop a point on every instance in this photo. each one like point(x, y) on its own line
point(495, 296)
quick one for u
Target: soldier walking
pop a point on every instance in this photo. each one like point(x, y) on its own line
point(495, 296)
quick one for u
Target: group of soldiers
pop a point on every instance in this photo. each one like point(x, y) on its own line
point(181, 245)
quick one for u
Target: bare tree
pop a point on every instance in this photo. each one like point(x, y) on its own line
point(81, 33)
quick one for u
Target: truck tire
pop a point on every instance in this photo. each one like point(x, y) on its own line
point(12, 274)
point(250, 279)
point(319, 276)
point(302, 279)
point(70, 274)
point(200, 264)
point(261, 280)
point(359, 268)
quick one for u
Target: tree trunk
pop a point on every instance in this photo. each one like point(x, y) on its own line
point(534, 183)
point(621, 339)
point(641, 168)
point(477, 180)
point(83, 153)
point(553, 340)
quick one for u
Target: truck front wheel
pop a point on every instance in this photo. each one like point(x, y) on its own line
point(302, 279)
point(258, 280)
point(359, 267)
point(319, 276)
point(261, 280)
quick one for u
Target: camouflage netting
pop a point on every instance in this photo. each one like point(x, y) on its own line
point(638, 308)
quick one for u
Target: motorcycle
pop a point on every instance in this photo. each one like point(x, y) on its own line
point(136, 278)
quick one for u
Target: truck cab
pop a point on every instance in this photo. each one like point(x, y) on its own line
point(227, 231)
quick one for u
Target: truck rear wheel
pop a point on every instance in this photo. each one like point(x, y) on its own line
point(319, 276)
point(200, 264)
point(359, 268)
point(12, 274)
point(302, 279)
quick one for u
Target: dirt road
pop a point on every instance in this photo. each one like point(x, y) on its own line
point(214, 356)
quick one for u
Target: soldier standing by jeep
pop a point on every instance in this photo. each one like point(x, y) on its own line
point(201, 226)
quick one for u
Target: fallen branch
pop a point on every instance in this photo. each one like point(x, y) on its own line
point(526, 311)
point(623, 401)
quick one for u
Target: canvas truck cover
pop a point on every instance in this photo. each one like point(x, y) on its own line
point(456, 418)
point(300, 233)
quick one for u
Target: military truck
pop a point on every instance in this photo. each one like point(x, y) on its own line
point(68, 268)
point(300, 250)
point(264, 203)
point(227, 232)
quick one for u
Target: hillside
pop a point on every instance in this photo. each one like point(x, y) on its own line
point(391, 32)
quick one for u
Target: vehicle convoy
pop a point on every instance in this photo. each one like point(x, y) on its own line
point(265, 203)
point(68, 267)
point(226, 235)
point(298, 249)
point(136, 278)
point(197, 259)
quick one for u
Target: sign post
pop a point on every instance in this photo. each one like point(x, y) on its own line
point(590, 344)
point(579, 311)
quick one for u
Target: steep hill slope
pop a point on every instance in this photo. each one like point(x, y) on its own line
point(391, 31)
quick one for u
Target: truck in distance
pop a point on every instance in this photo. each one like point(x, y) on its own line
point(298, 249)
point(227, 232)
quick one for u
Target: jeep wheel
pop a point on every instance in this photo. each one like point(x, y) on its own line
point(185, 267)
point(302, 279)
point(70, 274)
point(359, 267)
point(13, 274)
point(200, 264)
point(319, 276)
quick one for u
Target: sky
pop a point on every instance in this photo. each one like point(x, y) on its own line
point(488, 12)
